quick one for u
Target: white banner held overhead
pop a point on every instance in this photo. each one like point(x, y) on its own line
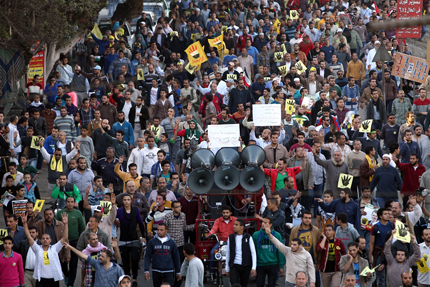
point(224, 135)
point(266, 115)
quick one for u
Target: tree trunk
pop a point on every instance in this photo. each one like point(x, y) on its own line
point(128, 10)
point(53, 54)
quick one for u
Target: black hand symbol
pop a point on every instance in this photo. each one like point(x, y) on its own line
point(283, 70)
point(278, 56)
point(402, 231)
point(2, 235)
point(299, 66)
point(293, 14)
point(345, 180)
point(366, 125)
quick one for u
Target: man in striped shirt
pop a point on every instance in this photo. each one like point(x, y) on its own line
point(66, 124)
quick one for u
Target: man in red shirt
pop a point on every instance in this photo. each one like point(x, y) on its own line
point(412, 173)
point(241, 42)
point(223, 227)
point(278, 174)
point(306, 45)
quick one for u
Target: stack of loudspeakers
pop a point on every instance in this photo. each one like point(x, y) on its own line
point(204, 180)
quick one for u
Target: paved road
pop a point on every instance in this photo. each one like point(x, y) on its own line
point(43, 188)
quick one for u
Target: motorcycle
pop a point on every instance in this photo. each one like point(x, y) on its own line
point(219, 277)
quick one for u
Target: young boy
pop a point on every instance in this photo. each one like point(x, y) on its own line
point(23, 167)
point(87, 145)
point(94, 103)
point(31, 188)
point(325, 217)
point(210, 110)
point(36, 105)
point(26, 145)
point(165, 172)
point(98, 90)
point(157, 167)
point(163, 144)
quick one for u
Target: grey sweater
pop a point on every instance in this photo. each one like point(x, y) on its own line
point(348, 235)
point(193, 271)
point(87, 147)
point(333, 173)
point(103, 277)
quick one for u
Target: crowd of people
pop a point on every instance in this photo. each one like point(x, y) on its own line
point(115, 134)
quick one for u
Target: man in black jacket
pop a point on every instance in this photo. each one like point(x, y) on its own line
point(28, 260)
point(137, 117)
point(100, 143)
point(239, 265)
point(240, 95)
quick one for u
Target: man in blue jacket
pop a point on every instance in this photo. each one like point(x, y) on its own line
point(387, 179)
point(163, 253)
point(346, 205)
point(51, 140)
point(124, 125)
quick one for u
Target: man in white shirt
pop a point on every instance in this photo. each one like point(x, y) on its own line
point(47, 267)
point(14, 148)
point(135, 153)
point(63, 67)
point(243, 259)
point(265, 136)
point(369, 62)
point(424, 278)
point(147, 157)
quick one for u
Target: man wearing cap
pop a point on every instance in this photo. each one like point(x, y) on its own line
point(103, 80)
point(145, 20)
point(124, 281)
point(80, 83)
point(230, 71)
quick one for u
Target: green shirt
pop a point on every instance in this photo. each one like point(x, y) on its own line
point(280, 181)
point(76, 222)
point(30, 169)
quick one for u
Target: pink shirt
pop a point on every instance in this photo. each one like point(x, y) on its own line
point(11, 270)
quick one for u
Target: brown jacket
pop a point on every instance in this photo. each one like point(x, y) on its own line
point(315, 233)
point(160, 110)
point(49, 118)
point(306, 82)
point(281, 152)
point(109, 112)
point(367, 95)
point(302, 57)
point(92, 126)
point(390, 89)
point(59, 229)
point(365, 173)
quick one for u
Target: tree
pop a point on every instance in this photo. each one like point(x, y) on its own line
point(30, 25)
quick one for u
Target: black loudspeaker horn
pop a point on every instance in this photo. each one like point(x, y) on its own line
point(252, 178)
point(200, 180)
point(226, 177)
point(227, 156)
point(203, 158)
point(253, 155)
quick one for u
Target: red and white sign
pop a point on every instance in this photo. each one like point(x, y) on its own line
point(409, 9)
point(37, 67)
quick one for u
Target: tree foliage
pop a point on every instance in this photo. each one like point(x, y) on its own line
point(55, 24)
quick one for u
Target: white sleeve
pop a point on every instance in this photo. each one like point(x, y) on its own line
point(252, 135)
point(71, 154)
point(415, 214)
point(227, 256)
point(253, 254)
point(71, 74)
point(45, 154)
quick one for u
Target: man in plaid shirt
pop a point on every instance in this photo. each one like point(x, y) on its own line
point(331, 250)
point(93, 249)
point(176, 224)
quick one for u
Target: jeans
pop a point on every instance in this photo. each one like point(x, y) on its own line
point(389, 106)
point(166, 277)
point(213, 264)
point(174, 149)
point(318, 193)
point(381, 200)
point(380, 275)
point(271, 271)
point(240, 275)
point(366, 234)
point(423, 31)
point(355, 188)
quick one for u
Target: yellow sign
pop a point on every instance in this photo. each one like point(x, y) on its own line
point(366, 126)
point(277, 25)
point(35, 142)
point(294, 15)
point(140, 76)
point(289, 109)
point(402, 233)
point(192, 69)
point(232, 76)
point(217, 42)
point(422, 265)
point(266, 79)
point(46, 258)
point(368, 270)
point(301, 68)
point(39, 205)
point(345, 181)
point(196, 54)
point(3, 234)
point(283, 70)
point(279, 56)
point(106, 205)
point(173, 34)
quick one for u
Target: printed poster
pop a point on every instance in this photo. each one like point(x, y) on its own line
point(266, 115)
point(224, 135)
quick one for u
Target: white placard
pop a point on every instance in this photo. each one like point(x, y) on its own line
point(224, 135)
point(266, 115)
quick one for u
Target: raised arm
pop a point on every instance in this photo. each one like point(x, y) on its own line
point(76, 251)
point(65, 220)
point(26, 231)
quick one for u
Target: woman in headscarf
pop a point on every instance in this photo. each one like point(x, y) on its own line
point(191, 133)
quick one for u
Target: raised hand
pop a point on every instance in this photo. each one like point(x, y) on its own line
point(65, 218)
point(121, 159)
point(87, 191)
point(24, 218)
